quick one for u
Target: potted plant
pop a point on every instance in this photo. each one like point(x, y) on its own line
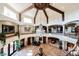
point(3, 38)
point(18, 45)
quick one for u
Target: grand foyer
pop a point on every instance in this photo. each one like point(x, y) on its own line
point(39, 29)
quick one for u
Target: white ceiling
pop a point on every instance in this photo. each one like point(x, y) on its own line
point(66, 6)
point(30, 13)
point(51, 14)
point(62, 6)
point(19, 6)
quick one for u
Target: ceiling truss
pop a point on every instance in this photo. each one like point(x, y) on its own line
point(43, 6)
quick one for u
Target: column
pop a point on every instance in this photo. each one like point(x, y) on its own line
point(25, 42)
point(8, 49)
point(42, 39)
point(64, 45)
point(63, 29)
point(46, 39)
point(47, 30)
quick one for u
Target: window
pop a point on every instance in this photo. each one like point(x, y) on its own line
point(9, 13)
point(27, 20)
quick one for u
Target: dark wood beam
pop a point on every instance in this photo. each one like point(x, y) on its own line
point(32, 6)
point(63, 16)
point(55, 9)
point(46, 15)
point(35, 16)
point(20, 17)
point(41, 6)
point(18, 26)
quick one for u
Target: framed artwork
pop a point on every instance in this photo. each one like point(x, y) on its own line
point(27, 29)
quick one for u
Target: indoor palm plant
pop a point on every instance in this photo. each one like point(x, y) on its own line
point(3, 38)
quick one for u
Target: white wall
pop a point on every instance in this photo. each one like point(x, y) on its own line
point(1, 8)
point(40, 19)
point(55, 21)
point(71, 15)
point(6, 20)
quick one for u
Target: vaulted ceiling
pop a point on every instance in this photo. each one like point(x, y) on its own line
point(43, 11)
point(62, 6)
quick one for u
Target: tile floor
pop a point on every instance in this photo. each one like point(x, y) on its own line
point(33, 50)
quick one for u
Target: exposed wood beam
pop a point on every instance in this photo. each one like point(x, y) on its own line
point(35, 16)
point(30, 7)
point(55, 9)
point(63, 16)
point(18, 26)
point(20, 16)
point(46, 15)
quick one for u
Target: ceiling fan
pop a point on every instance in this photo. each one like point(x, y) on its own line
point(43, 6)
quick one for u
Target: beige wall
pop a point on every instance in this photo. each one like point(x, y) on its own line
point(22, 29)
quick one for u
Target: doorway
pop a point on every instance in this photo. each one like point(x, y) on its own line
point(44, 39)
point(22, 43)
point(29, 41)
